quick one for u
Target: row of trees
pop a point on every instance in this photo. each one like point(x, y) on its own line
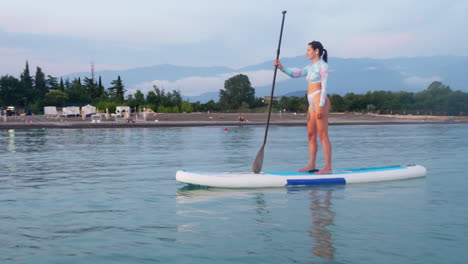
point(238, 95)
point(33, 93)
point(437, 99)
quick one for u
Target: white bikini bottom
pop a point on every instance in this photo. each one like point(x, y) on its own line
point(310, 97)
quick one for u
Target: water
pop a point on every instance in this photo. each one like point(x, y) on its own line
point(110, 196)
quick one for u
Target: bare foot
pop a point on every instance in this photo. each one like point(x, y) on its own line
point(325, 171)
point(308, 168)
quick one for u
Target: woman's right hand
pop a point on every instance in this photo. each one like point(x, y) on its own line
point(278, 63)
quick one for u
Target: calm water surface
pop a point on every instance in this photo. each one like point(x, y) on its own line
point(110, 196)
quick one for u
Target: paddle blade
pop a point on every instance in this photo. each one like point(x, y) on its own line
point(258, 163)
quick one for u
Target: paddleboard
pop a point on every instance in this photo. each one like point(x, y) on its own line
point(295, 178)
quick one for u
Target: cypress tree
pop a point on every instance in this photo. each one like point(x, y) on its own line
point(40, 85)
point(61, 85)
point(26, 90)
point(117, 91)
point(100, 88)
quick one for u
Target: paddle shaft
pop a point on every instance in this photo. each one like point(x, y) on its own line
point(258, 163)
point(274, 80)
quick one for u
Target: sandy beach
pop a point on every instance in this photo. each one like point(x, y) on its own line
point(216, 119)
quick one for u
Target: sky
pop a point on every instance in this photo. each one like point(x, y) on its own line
point(65, 36)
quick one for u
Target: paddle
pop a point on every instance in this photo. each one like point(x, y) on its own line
point(258, 163)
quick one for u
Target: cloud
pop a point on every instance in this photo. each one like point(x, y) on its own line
point(12, 51)
point(143, 21)
point(17, 58)
point(225, 33)
point(195, 85)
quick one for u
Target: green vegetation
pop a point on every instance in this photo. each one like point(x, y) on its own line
point(437, 99)
point(33, 93)
point(237, 92)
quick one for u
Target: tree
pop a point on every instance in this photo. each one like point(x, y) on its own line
point(67, 84)
point(139, 98)
point(212, 106)
point(293, 104)
point(197, 107)
point(284, 103)
point(186, 107)
point(56, 98)
point(130, 101)
point(174, 99)
point(354, 102)
point(40, 84)
point(100, 89)
point(169, 102)
point(26, 91)
point(376, 98)
point(11, 91)
point(61, 85)
point(77, 92)
point(91, 87)
point(458, 103)
point(52, 83)
point(161, 98)
point(259, 102)
point(117, 91)
point(434, 98)
point(403, 101)
point(237, 90)
point(151, 99)
point(337, 103)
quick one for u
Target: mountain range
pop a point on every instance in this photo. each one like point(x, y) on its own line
point(346, 75)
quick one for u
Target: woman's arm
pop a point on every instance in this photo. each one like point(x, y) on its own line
point(291, 73)
point(323, 79)
point(295, 74)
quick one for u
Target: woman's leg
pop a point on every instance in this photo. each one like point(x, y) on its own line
point(322, 131)
point(312, 138)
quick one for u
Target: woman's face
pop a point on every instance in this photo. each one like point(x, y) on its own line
point(311, 53)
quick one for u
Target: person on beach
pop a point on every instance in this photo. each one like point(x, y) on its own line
point(319, 104)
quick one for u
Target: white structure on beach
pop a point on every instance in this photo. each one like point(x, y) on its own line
point(88, 110)
point(71, 111)
point(121, 110)
point(50, 110)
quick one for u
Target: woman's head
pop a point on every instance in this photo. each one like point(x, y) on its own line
point(315, 49)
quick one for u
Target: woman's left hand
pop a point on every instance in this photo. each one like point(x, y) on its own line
point(320, 112)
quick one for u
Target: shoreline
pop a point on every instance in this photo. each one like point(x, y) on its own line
point(221, 119)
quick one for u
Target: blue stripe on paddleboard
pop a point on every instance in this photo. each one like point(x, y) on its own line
point(316, 181)
point(344, 171)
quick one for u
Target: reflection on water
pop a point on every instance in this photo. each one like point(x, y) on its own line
point(321, 212)
point(11, 141)
point(322, 217)
point(11, 149)
point(195, 193)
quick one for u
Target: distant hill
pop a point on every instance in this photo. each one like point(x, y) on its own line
point(296, 93)
point(205, 97)
point(357, 75)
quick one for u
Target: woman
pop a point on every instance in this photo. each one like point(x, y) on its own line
point(319, 104)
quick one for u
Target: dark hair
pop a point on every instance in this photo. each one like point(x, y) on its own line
point(322, 52)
